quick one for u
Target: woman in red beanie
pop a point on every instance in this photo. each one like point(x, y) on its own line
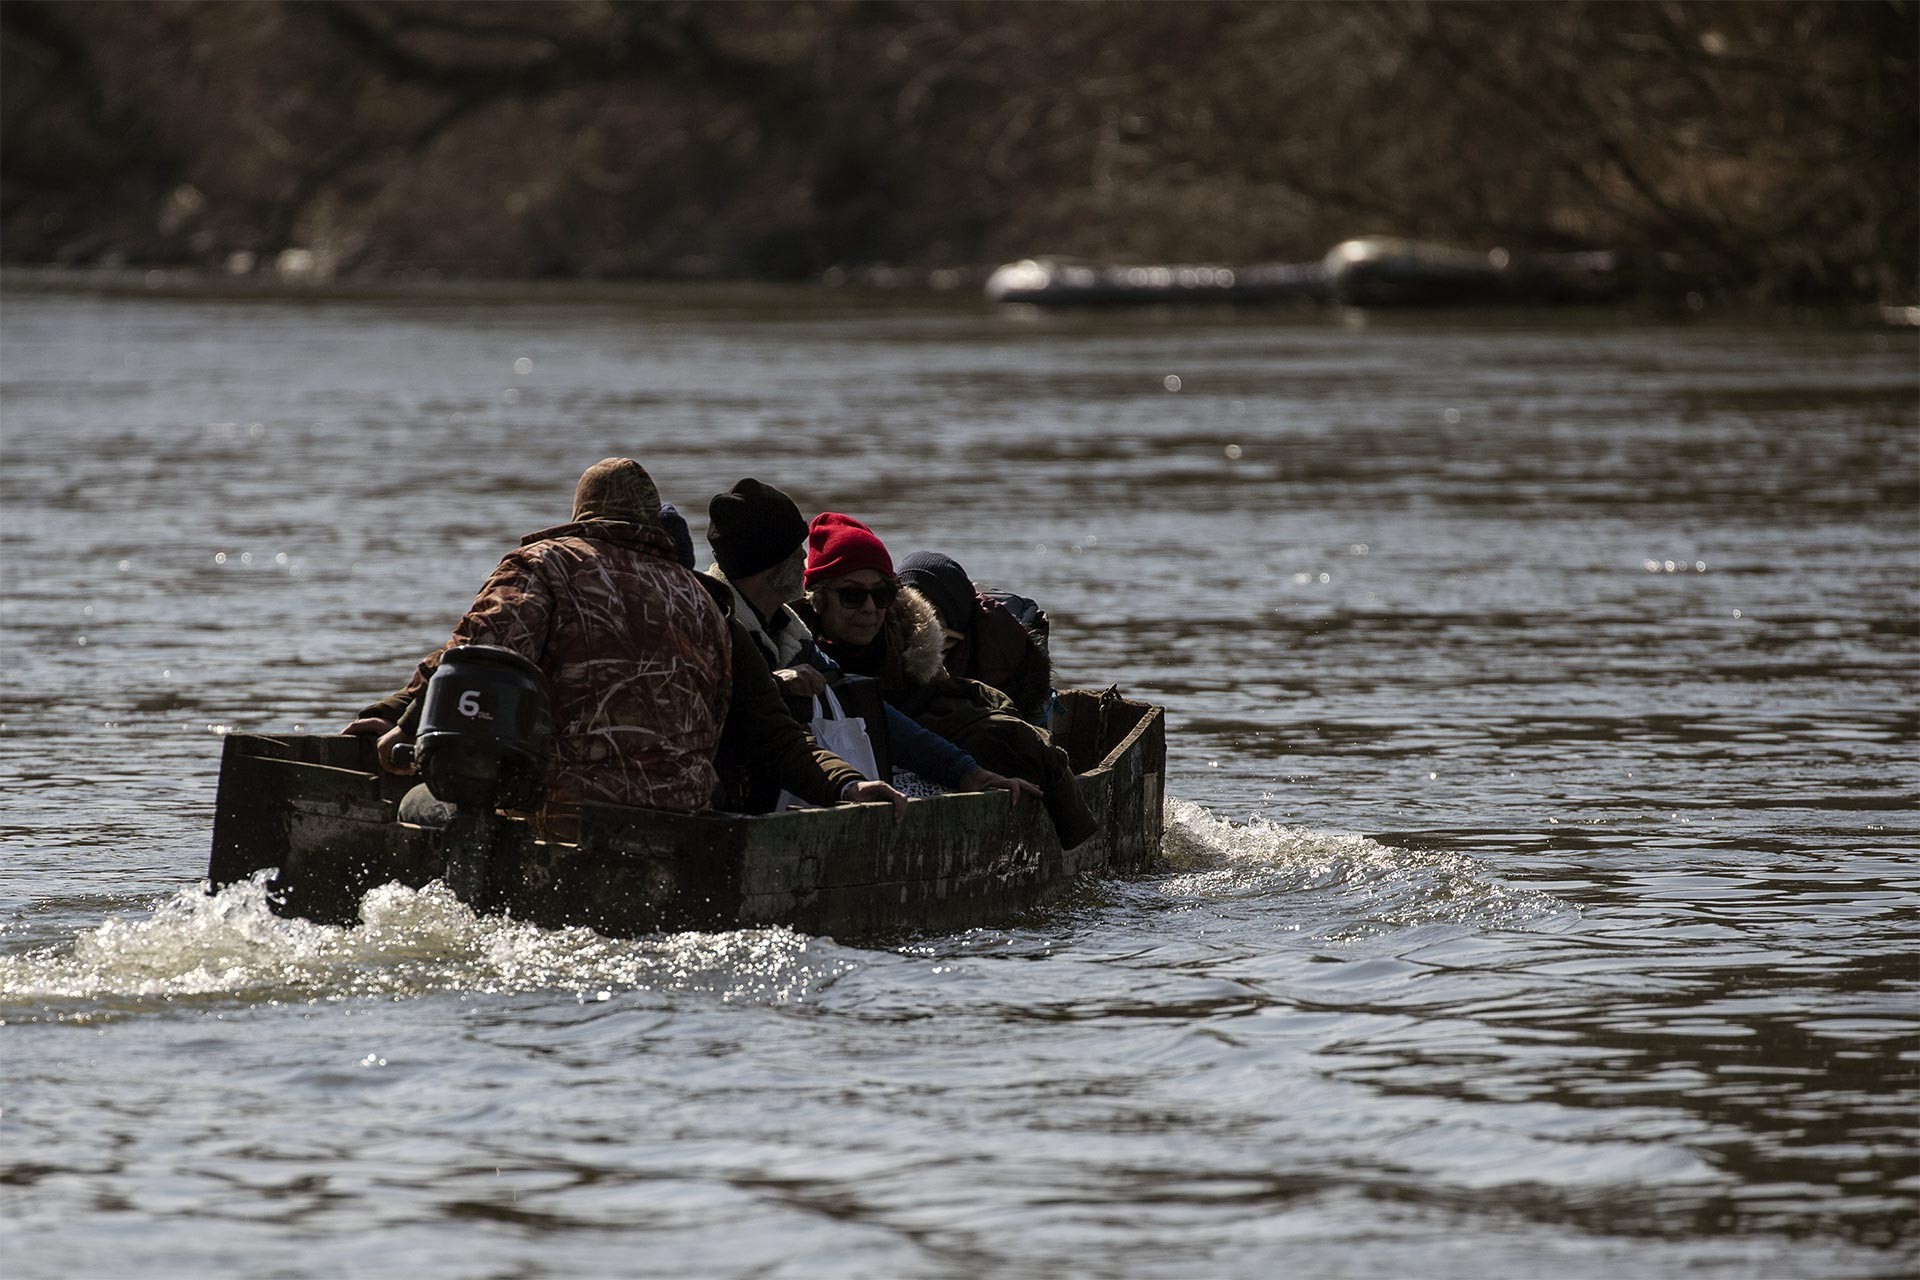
point(850, 585)
point(872, 626)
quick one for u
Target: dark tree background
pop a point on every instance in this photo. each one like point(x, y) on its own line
point(1761, 150)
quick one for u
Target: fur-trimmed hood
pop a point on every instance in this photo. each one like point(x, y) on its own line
point(906, 655)
point(915, 635)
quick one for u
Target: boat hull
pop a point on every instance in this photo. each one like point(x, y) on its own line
point(318, 811)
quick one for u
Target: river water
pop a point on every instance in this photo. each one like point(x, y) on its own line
point(1540, 891)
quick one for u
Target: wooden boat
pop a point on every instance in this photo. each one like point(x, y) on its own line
point(320, 811)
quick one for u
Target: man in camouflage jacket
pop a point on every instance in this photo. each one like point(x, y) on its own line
point(636, 654)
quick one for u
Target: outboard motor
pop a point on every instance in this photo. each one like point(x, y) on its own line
point(484, 738)
point(485, 732)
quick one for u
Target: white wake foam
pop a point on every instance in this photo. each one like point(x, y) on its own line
point(1358, 884)
point(229, 946)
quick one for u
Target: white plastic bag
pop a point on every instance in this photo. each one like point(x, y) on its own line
point(840, 733)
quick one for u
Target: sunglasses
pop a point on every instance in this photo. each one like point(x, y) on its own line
point(853, 597)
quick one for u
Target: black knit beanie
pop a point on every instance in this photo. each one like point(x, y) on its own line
point(945, 585)
point(753, 527)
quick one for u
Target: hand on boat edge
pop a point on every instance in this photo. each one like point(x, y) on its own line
point(367, 727)
point(986, 780)
point(868, 792)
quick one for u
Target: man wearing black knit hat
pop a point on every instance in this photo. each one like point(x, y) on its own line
point(753, 527)
point(759, 541)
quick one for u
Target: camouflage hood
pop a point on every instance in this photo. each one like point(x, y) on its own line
point(617, 489)
point(651, 539)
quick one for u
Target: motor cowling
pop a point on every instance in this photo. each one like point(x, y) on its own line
point(485, 731)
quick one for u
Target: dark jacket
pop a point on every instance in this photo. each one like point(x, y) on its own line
point(763, 749)
point(994, 647)
point(997, 650)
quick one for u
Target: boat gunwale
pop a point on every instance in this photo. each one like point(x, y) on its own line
point(331, 832)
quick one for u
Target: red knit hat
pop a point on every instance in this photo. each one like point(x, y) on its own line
point(838, 545)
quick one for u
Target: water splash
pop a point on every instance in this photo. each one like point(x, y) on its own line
point(229, 947)
point(1347, 885)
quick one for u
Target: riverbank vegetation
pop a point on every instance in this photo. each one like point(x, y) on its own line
point(1761, 151)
